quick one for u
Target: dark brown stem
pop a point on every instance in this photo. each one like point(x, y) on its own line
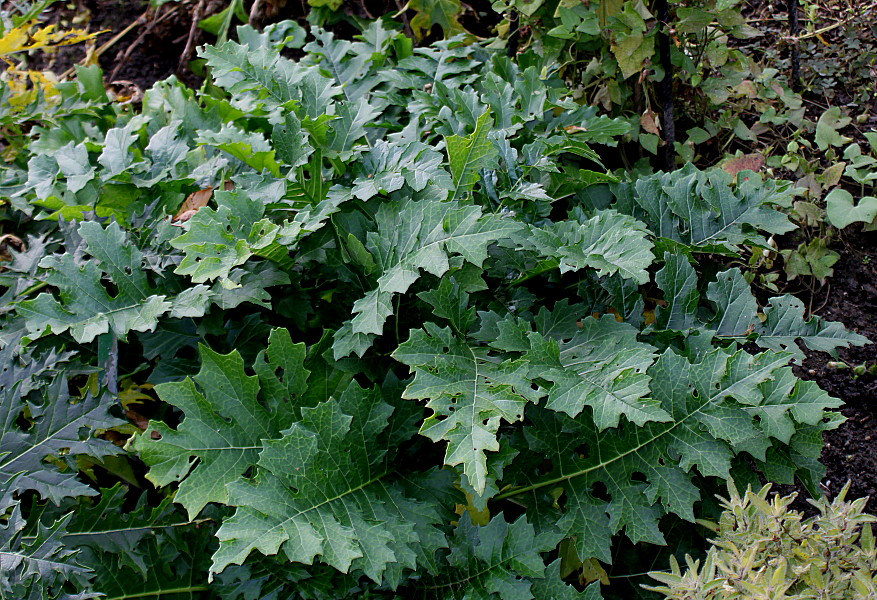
point(792, 8)
point(514, 34)
point(193, 30)
point(665, 87)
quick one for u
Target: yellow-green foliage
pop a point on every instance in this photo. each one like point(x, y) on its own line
point(25, 37)
point(764, 550)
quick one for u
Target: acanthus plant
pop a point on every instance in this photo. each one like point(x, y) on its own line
point(421, 346)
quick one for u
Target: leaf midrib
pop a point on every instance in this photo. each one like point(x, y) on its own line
point(529, 488)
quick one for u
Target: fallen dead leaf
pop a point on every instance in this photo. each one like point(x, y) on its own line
point(137, 419)
point(649, 122)
point(747, 162)
point(192, 203)
point(8, 240)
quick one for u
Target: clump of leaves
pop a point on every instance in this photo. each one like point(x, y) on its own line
point(764, 549)
point(375, 322)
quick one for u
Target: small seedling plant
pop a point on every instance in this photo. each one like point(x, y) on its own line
point(374, 324)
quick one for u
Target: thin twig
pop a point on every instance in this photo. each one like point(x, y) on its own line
point(827, 296)
point(254, 10)
point(110, 43)
point(193, 29)
point(831, 27)
point(406, 22)
point(128, 51)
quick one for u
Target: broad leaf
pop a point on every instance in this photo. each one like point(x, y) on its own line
point(783, 323)
point(215, 241)
point(338, 502)
point(701, 211)
point(443, 13)
point(842, 212)
point(468, 155)
point(647, 471)
point(225, 422)
point(49, 425)
point(86, 307)
point(609, 242)
point(409, 237)
point(499, 560)
point(39, 567)
point(469, 392)
point(602, 366)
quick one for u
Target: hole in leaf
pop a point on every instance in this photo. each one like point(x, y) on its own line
point(600, 492)
point(545, 467)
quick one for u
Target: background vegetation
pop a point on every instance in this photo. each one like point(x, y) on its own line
point(420, 301)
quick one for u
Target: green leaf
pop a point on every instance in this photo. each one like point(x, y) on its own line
point(248, 147)
point(38, 568)
point(602, 366)
point(784, 324)
point(702, 212)
point(349, 127)
point(106, 526)
point(339, 502)
point(386, 167)
point(647, 471)
point(263, 78)
point(468, 155)
point(217, 240)
point(115, 156)
point(166, 152)
point(678, 281)
point(737, 317)
point(291, 142)
point(499, 560)
point(554, 587)
point(225, 424)
point(450, 302)
point(469, 392)
point(841, 210)
point(49, 424)
point(789, 400)
point(74, 165)
point(354, 66)
point(609, 242)
point(443, 13)
point(174, 563)
point(631, 45)
point(86, 308)
point(827, 129)
point(813, 258)
point(411, 236)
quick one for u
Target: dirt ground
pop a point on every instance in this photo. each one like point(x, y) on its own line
point(162, 40)
point(851, 297)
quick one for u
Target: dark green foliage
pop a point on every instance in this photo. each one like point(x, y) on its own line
point(405, 350)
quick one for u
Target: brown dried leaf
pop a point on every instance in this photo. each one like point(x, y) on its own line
point(8, 240)
point(747, 162)
point(650, 123)
point(192, 203)
point(137, 419)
